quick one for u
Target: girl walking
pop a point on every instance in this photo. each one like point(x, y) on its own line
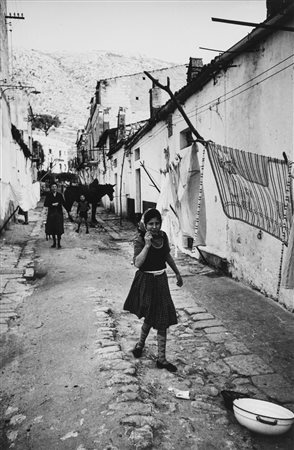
point(149, 295)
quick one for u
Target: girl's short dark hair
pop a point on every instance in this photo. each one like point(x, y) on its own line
point(151, 214)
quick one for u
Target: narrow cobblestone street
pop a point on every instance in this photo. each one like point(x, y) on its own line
point(69, 379)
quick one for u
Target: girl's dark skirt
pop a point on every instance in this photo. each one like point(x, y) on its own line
point(149, 297)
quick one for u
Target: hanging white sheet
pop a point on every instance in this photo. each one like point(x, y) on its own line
point(180, 190)
point(170, 222)
point(188, 192)
point(27, 196)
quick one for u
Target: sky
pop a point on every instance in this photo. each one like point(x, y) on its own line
point(167, 30)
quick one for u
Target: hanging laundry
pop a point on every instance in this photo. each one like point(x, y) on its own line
point(288, 272)
point(188, 190)
point(180, 189)
point(252, 188)
point(27, 195)
point(170, 221)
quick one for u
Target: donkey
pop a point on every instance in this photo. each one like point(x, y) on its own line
point(93, 194)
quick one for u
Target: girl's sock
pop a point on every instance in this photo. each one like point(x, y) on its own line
point(161, 342)
point(144, 334)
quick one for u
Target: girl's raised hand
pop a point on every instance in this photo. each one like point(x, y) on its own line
point(148, 237)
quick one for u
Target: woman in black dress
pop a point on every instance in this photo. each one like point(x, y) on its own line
point(54, 201)
point(149, 296)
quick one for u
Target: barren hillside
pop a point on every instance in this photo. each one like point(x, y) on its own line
point(67, 80)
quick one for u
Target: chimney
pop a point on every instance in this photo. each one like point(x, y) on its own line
point(121, 123)
point(155, 100)
point(194, 68)
point(274, 6)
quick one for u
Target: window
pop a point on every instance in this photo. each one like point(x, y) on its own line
point(115, 163)
point(50, 151)
point(59, 153)
point(137, 154)
point(186, 138)
point(137, 98)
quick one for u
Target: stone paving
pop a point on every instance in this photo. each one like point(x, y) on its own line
point(219, 360)
point(17, 267)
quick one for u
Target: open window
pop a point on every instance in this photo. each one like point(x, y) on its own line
point(186, 138)
point(137, 154)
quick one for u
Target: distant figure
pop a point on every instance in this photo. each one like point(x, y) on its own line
point(82, 212)
point(54, 201)
point(149, 296)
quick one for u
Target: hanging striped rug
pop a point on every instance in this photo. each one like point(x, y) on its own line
point(253, 189)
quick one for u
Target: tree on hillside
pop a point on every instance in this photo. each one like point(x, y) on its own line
point(44, 122)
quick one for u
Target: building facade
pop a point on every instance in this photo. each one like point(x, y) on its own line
point(118, 102)
point(243, 100)
point(19, 187)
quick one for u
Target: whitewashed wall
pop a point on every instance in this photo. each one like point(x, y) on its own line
point(16, 173)
point(132, 92)
point(59, 151)
point(259, 120)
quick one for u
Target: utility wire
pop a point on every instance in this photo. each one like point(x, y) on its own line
point(217, 99)
point(218, 102)
point(241, 85)
point(249, 81)
point(246, 89)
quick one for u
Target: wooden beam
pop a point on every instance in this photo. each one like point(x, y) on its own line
point(175, 100)
point(226, 51)
point(252, 24)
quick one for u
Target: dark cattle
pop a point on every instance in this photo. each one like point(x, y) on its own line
point(93, 194)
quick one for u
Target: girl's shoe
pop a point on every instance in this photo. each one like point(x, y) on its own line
point(168, 366)
point(137, 351)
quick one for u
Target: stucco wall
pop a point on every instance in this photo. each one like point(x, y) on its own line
point(56, 146)
point(132, 92)
point(3, 42)
point(258, 120)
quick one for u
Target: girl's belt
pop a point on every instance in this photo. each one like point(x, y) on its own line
point(155, 272)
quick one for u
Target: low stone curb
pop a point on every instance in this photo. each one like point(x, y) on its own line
point(17, 268)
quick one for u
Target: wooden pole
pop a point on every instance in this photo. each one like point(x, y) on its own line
point(252, 24)
point(193, 130)
point(149, 176)
point(175, 100)
point(6, 221)
point(156, 187)
point(284, 225)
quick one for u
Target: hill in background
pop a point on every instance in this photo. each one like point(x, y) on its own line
point(67, 81)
